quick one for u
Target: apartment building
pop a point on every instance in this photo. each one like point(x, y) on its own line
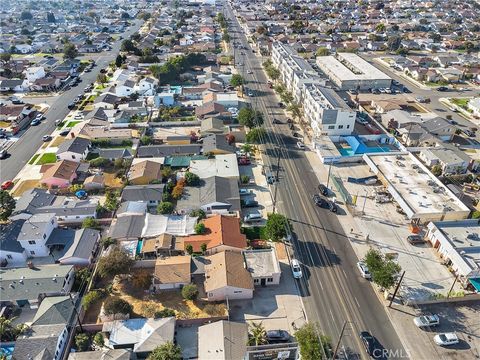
point(327, 113)
point(294, 70)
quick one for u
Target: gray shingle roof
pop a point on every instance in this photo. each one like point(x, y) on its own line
point(77, 145)
point(8, 236)
point(166, 150)
point(217, 142)
point(32, 199)
point(149, 192)
point(36, 281)
point(39, 344)
point(128, 227)
point(114, 153)
point(34, 227)
point(54, 310)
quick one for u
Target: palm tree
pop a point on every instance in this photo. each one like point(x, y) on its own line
point(8, 332)
point(257, 334)
point(287, 97)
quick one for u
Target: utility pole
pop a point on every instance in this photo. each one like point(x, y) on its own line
point(339, 339)
point(450, 291)
point(329, 171)
point(276, 183)
point(396, 289)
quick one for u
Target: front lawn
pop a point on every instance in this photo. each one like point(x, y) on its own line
point(33, 159)
point(462, 102)
point(47, 158)
point(71, 124)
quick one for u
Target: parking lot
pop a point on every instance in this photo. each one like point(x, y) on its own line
point(380, 225)
point(275, 306)
point(459, 318)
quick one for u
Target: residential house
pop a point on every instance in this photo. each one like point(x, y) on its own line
point(151, 194)
point(27, 285)
point(217, 144)
point(75, 149)
point(221, 233)
point(151, 151)
point(222, 165)
point(35, 233)
point(210, 109)
point(144, 172)
point(474, 105)
point(34, 73)
point(79, 246)
point(94, 182)
point(15, 85)
point(212, 125)
point(450, 74)
point(105, 133)
point(104, 354)
point(450, 159)
point(222, 340)
point(171, 273)
point(161, 245)
point(215, 195)
point(12, 252)
point(227, 277)
point(107, 101)
point(127, 228)
point(142, 335)
point(60, 175)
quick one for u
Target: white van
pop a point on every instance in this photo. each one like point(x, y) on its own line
point(254, 217)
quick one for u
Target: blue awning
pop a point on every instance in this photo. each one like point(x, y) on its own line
point(476, 283)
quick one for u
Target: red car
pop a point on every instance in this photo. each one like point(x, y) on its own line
point(7, 185)
point(243, 161)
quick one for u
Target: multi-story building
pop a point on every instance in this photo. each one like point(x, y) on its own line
point(327, 113)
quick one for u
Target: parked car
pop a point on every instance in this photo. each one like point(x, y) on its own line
point(276, 336)
point(35, 122)
point(3, 154)
point(422, 99)
point(446, 339)
point(442, 88)
point(78, 117)
point(323, 189)
point(71, 105)
point(46, 138)
point(243, 161)
point(17, 101)
point(254, 217)
point(415, 239)
point(58, 122)
point(426, 320)
point(64, 132)
point(7, 185)
point(296, 269)
point(371, 344)
point(244, 192)
point(469, 133)
point(40, 116)
point(276, 121)
point(363, 268)
point(249, 72)
point(281, 104)
point(250, 203)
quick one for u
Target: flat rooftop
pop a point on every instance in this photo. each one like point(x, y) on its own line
point(328, 98)
point(261, 262)
point(422, 191)
point(463, 234)
point(347, 66)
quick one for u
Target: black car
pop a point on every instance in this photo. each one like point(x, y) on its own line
point(71, 105)
point(277, 336)
point(276, 121)
point(442, 88)
point(64, 132)
point(323, 189)
point(372, 346)
point(250, 203)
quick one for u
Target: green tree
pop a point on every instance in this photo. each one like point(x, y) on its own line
point(102, 78)
point(192, 179)
point(256, 135)
point(116, 305)
point(236, 80)
point(111, 200)
point(98, 339)
point(437, 170)
point(165, 207)
point(90, 223)
point(128, 46)
point(250, 118)
point(82, 277)
point(70, 51)
point(226, 37)
point(257, 334)
point(286, 97)
point(146, 140)
point(313, 345)
point(394, 43)
point(7, 205)
point(198, 213)
point(295, 109)
point(117, 261)
point(476, 214)
point(203, 247)
point(273, 73)
point(82, 341)
point(436, 37)
point(380, 28)
point(297, 26)
point(190, 292)
point(119, 60)
point(189, 249)
point(166, 312)
point(9, 332)
point(167, 351)
point(200, 228)
point(90, 298)
point(276, 227)
point(383, 269)
point(322, 51)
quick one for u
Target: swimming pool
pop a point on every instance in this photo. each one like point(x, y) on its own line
point(7, 350)
point(357, 146)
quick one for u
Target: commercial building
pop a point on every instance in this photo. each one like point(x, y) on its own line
point(419, 193)
point(350, 72)
point(327, 113)
point(458, 243)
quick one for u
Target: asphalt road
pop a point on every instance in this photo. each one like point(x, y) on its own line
point(332, 290)
point(31, 140)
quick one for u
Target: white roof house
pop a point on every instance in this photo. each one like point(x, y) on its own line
point(222, 165)
point(156, 225)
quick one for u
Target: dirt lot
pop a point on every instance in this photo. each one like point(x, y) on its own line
point(24, 186)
